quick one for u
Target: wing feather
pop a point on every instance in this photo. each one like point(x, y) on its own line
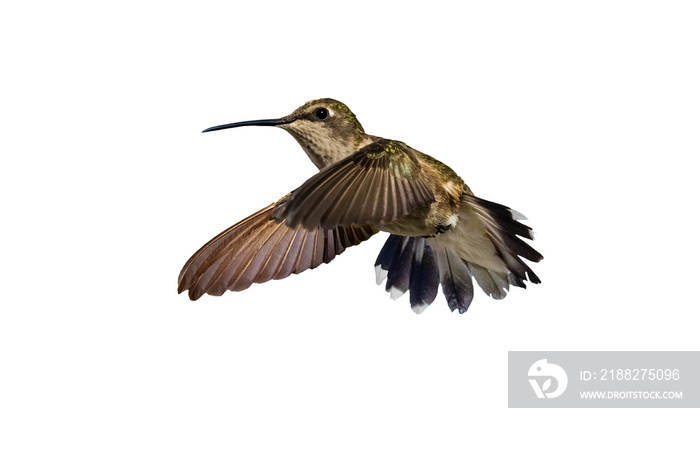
point(379, 183)
point(258, 249)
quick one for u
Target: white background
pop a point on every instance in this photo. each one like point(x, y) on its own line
point(584, 116)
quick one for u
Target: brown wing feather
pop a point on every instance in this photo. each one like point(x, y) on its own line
point(258, 249)
point(379, 183)
point(498, 225)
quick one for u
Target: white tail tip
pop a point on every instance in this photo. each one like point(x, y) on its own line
point(418, 308)
point(517, 215)
point(381, 274)
point(395, 293)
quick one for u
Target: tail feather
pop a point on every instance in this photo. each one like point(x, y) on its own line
point(494, 284)
point(408, 264)
point(456, 280)
point(424, 276)
point(386, 257)
point(485, 245)
point(399, 276)
point(501, 226)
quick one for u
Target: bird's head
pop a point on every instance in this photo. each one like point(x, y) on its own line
point(326, 129)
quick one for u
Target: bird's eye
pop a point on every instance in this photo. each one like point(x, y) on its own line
point(321, 113)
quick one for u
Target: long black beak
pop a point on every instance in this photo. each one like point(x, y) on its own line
point(275, 122)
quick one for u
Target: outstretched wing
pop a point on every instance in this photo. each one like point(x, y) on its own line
point(499, 224)
point(258, 249)
point(379, 183)
point(486, 245)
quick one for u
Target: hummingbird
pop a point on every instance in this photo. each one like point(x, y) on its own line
point(440, 233)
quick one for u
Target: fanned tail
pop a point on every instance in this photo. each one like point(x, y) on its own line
point(485, 245)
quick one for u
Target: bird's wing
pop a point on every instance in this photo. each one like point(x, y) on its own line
point(495, 230)
point(379, 183)
point(258, 249)
point(487, 245)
